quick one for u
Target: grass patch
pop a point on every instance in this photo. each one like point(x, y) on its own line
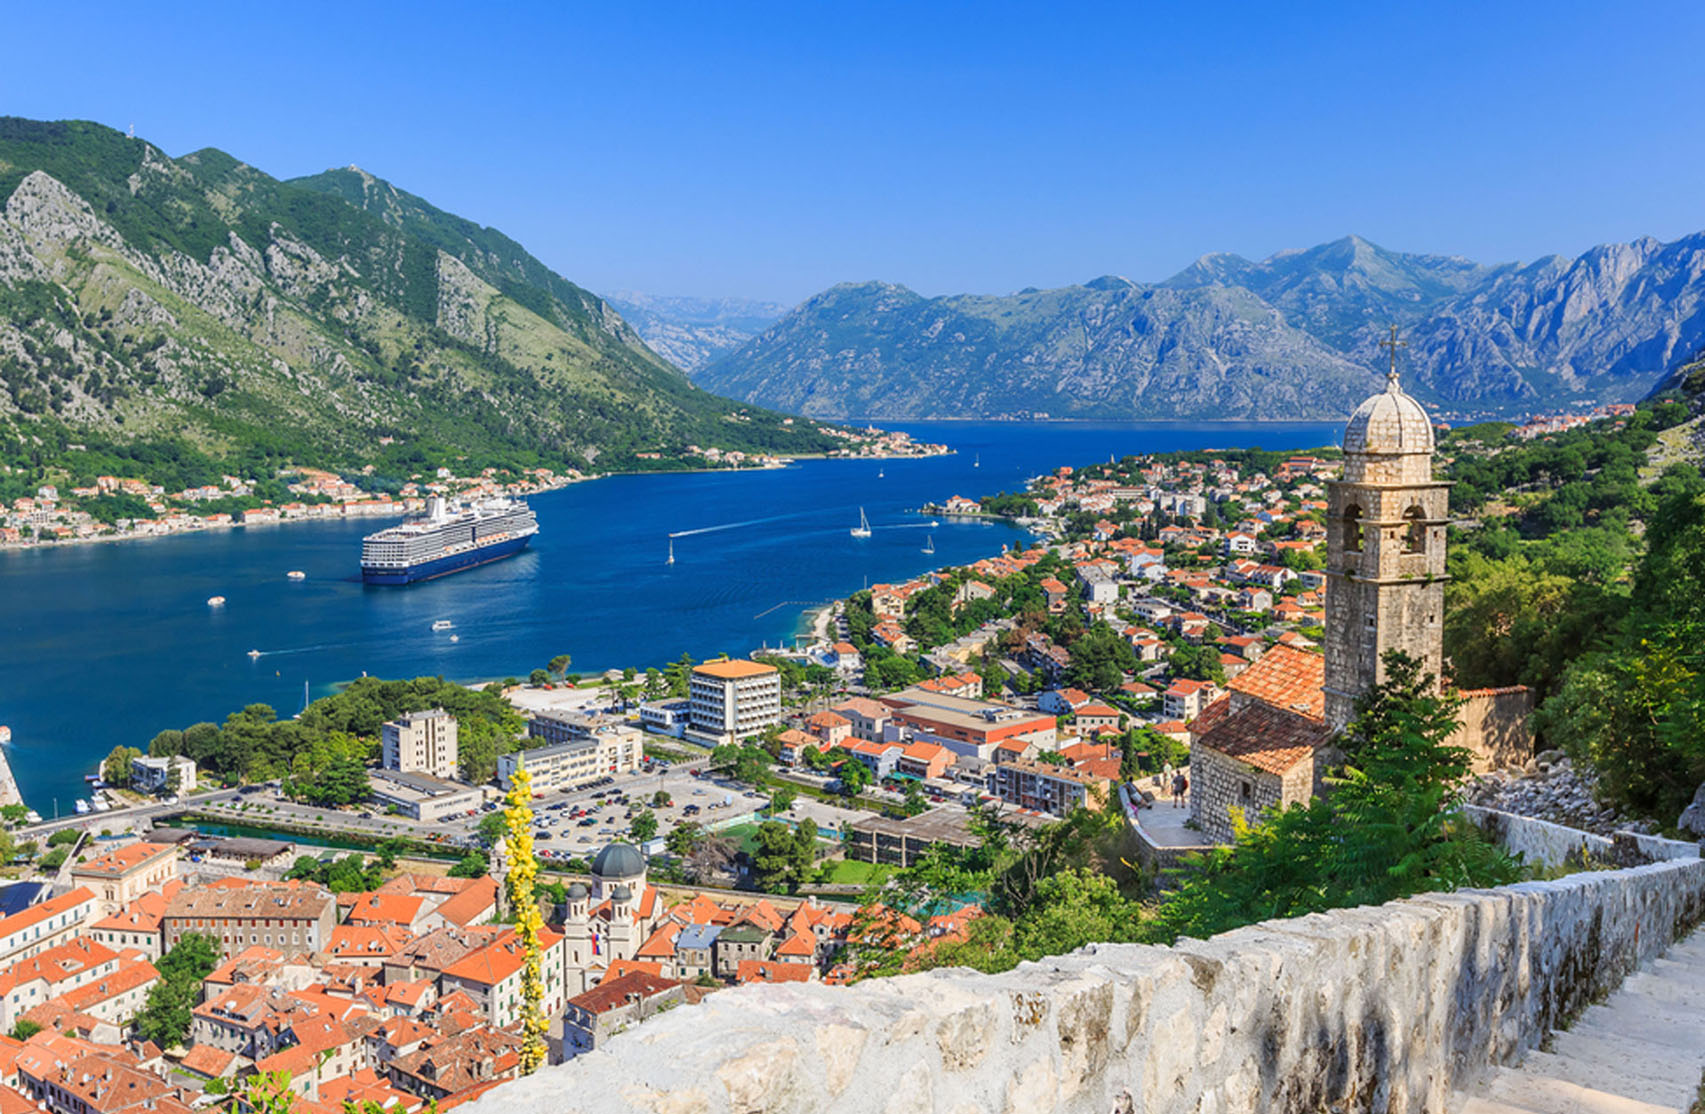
point(851, 872)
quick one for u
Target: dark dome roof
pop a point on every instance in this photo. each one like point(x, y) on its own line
point(621, 893)
point(578, 891)
point(619, 860)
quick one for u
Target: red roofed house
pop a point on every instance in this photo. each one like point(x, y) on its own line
point(491, 976)
point(616, 1003)
point(119, 877)
point(1185, 699)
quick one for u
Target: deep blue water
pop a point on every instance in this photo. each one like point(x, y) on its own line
point(107, 644)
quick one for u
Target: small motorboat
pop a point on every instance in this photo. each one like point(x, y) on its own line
point(254, 653)
point(455, 638)
point(443, 624)
point(215, 601)
point(296, 574)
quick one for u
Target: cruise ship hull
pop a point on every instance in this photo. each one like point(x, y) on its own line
point(444, 566)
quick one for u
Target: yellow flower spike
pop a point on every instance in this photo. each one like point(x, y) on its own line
point(523, 872)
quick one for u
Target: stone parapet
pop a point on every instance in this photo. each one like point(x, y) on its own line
point(1383, 1008)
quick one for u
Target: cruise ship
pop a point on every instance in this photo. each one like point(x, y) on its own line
point(449, 538)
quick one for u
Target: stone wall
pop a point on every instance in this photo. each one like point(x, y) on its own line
point(1376, 1009)
point(1554, 845)
point(1495, 727)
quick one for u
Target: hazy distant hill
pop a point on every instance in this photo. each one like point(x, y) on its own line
point(1292, 336)
point(199, 302)
point(692, 332)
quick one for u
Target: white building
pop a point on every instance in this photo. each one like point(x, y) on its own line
point(423, 797)
point(664, 717)
point(157, 775)
point(732, 700)
point(575, 762)
point(421, 742)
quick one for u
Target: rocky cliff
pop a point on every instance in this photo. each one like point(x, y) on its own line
point(1292, 336)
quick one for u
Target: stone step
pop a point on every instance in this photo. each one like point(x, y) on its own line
point(1474, 1104)
point(1659, 988)
point(1525, 1091)
point(1652, 1022)
point(1615, 1076)
point(1628, 1054)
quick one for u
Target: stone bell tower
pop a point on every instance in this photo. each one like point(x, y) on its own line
point(1385, 547)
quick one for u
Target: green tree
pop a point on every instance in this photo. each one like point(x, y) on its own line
point(165, 1017)
point(115, 770)
point(780, 859)
point(643, 827)
point(491, 828)
point(472, 865)
point(915, 803)
point(538, 677)
point(25, 1029)
point(782, 798)
point(1198, 663)
point(855, 777)
point(559, 664)
point(684, 838)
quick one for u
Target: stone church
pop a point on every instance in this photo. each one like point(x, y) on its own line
point(1261, 745)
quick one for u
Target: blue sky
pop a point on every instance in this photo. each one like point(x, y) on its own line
point(773, 150)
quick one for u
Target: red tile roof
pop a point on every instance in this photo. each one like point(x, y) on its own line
point(1266, 737)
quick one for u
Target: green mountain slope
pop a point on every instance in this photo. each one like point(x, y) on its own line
point(201, 305)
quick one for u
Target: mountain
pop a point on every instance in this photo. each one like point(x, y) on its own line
point(1293, 336)
point(692, 332)
point(199, 305)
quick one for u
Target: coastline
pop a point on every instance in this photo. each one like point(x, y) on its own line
point(566, 481)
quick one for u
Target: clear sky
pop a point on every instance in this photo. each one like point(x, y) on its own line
point(773, 150)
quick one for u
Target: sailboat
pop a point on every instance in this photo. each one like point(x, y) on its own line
point(671, 559)
point(880, 472)
point(977, 461)
point(929, 543)
point(862, 530)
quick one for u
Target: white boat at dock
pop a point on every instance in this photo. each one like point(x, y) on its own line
point(81, 807)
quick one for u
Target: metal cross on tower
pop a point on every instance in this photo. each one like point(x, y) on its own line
point(1393, 345)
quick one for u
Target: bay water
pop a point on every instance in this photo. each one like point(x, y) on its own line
point(108, 643)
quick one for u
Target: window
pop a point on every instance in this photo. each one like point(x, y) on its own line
point(1353, 529)
point(1415, 538)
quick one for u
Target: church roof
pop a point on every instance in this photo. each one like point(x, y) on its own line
point(619, 860)
point(1287, 678)
point(1268, 738)
point(1389, 422)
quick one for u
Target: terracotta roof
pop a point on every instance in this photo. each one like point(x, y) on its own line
point(1266, 737)
point(52, 907)
point(476, 901)
point(204, 1059)
point(763, 970)
point(495, 962)
point(734, 669)
point(386, 908)
point(1287, 678)
point(797, 944)
point(620, 967)
point(611, 993)
point(116, 863)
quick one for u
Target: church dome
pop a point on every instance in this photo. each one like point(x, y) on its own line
point(1389, 423)
point(578, 892)
point(619, 860)
point(621, 894)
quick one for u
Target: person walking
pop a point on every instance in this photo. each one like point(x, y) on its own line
point(1178, 783)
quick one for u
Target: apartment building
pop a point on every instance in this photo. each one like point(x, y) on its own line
point(1055, 790)
point(40, 927)
point(421, 742)
point(279, 915)
point(580, 749)
point(732, 700)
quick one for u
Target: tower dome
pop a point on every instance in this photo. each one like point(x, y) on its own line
point(619, 860)
point(1389, 423)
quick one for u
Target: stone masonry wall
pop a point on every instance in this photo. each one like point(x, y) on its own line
point(1376, 1009)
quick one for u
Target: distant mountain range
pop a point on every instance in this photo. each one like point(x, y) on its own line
point(693, 332)
point(1294, 336)
point(335, 320)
